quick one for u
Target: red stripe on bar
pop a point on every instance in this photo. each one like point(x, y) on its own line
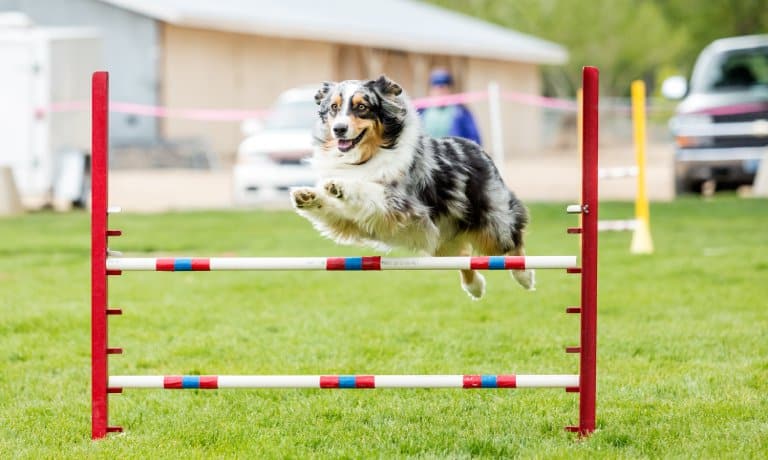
point(573, 349)
point(164, 265)
point(573, 270)
point(209, 382)
point(114, 233)
point(372, 263)
point(172, 381)
point(201, 265)
point(334, 263)
point(573, 230)
point(114, 429)
point(506, 381)
point(479, 263)
point(329, 381)
point(472, 381)
point(572, 389)
point(514, 262)
point(365, 381)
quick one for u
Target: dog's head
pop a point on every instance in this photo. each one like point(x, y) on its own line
point(358, 118)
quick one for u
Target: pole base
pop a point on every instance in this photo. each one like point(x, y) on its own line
point(760, 186)
point(641, 238)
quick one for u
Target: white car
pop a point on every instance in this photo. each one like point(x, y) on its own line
point(270, 160)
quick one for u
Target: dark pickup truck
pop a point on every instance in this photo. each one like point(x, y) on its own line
point(721, 124)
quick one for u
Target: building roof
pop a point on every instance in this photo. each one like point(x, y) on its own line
point(395, 24)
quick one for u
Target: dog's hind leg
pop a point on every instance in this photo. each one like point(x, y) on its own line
point(526, 278)
point(489, 243)
point(472, 281)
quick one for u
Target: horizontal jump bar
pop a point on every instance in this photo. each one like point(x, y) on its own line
point(617, 172)
point(339, 263)
point(211, 382)
point(616, 225)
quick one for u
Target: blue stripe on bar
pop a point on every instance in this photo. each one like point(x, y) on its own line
point(488, 381)
point(353, 263)
point(190, 381)
point(496, 263)
point(346, 381)
point(182, 265)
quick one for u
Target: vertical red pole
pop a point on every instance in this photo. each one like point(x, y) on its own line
point(99, 152)
point(588, 365)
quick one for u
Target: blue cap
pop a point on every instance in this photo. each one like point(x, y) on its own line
point(440, 77)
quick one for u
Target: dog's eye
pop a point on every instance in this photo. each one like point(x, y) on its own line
point(362, 107)
point(334, 106)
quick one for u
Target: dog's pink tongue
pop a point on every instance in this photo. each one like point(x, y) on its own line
point(345, 144)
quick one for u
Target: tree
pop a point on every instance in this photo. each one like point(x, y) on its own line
point(626, 39)
point(713, 19)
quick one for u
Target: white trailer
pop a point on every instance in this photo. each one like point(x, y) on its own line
point(44, 96)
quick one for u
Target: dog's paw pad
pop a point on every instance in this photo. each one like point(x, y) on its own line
point(304, 198)
point(334, 189)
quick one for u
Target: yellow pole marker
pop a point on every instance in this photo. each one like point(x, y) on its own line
point(580, 136)
point(641, 238)
point(580, 120)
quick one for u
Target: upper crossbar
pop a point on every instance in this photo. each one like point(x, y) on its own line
point(177, 264)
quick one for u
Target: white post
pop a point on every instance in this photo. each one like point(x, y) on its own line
point(497, 138)
point(760, 186)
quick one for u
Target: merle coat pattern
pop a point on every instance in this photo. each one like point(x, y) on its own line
point(383, 183)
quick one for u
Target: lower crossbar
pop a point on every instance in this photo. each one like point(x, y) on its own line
point(211, 382)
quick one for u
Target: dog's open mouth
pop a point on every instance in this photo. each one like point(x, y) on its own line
point(345, 145)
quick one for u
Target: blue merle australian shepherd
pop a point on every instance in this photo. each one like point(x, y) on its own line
point(383, 183)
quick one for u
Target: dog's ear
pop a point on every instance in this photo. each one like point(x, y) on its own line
point(386, 87)
point(323, 91)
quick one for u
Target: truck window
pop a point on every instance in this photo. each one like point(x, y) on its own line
point(738, 70)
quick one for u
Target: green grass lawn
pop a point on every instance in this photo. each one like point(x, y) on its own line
point(683, 343)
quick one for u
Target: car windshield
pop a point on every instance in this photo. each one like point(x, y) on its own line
point(292, 115)
point(733, 71)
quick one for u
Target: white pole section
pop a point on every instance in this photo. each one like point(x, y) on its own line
point(497, 137)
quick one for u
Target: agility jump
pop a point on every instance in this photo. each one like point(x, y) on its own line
point(105, 263)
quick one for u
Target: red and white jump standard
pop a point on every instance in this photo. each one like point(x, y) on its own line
point(104, 263)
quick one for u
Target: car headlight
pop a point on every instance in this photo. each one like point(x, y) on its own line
point(692, 130)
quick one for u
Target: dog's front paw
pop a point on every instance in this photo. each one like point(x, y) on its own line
point(334, 189)
point(305, 197)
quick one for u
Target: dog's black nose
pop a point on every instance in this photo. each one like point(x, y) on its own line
point(339, 129)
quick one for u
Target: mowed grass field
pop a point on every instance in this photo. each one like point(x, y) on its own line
point(683, 343)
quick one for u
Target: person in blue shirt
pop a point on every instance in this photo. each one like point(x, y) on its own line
point(448, 120)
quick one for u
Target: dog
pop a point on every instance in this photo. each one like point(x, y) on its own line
point(383, 183)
